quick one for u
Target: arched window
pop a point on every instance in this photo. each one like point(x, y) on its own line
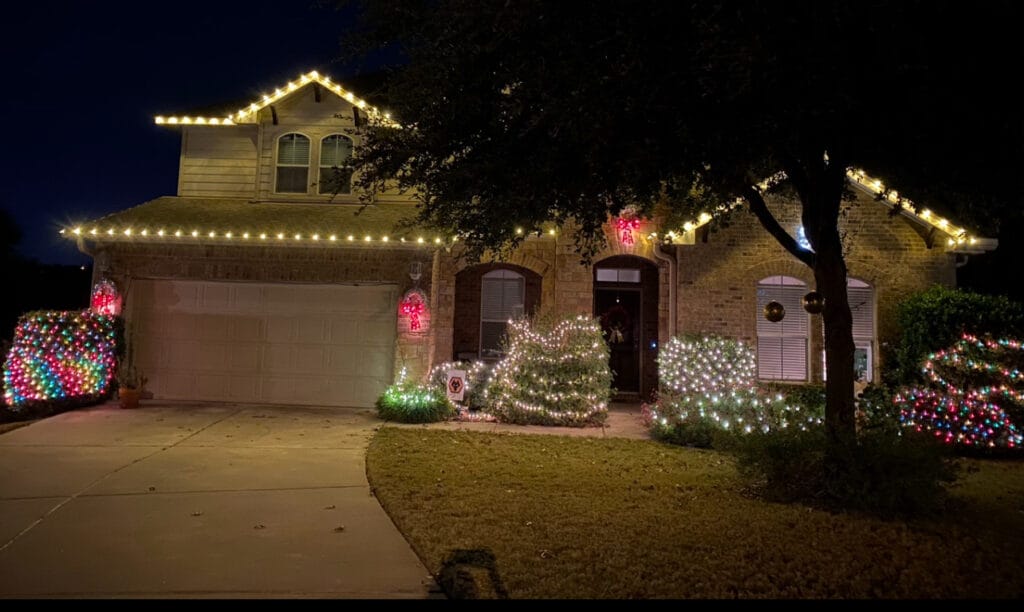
point(502, 294)
point(335, 175)
point(292, 164)
point(782, 347)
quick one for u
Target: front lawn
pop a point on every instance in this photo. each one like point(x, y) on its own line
point(597, 518)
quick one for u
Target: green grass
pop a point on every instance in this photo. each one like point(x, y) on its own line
point(597, 518)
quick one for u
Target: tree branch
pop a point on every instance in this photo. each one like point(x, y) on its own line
point(760, 209)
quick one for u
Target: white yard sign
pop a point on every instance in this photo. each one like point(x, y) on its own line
point(456, 386)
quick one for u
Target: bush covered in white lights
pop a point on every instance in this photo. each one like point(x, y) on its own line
point(708, 384)
point(555, 372)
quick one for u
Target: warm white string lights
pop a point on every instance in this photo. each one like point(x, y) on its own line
point(248, 114)
point(177, 235)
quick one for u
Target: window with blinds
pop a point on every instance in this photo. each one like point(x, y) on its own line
point(292, 164)
point(782, 347)
point(335, 174)
point(502, 294)
point(861, 298)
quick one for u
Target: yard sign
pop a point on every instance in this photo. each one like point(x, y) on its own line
point(456, 386)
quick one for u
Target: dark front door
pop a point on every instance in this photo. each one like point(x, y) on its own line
point(620, 315)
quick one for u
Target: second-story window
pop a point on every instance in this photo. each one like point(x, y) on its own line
point(335, 173)
point(292, 164)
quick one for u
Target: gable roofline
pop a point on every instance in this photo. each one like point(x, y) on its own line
point(248, 114)
point(958, 239)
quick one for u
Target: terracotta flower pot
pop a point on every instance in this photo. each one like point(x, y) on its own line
point(129, 397)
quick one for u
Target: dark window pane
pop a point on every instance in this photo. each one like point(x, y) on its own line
point(291, 180)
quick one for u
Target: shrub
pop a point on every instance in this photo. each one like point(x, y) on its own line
point(708, 383)
point(407, 402)
point(555, 372)
point(974, 395)
point(885, 473)
point(59, 360)
point(478, 380)
point(937, 317)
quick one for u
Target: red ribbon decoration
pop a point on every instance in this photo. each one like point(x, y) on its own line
point(412, 307)
point(626, 228)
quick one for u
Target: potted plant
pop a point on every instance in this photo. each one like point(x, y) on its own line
point(130, 382)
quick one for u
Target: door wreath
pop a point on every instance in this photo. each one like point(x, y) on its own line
point(616, 322)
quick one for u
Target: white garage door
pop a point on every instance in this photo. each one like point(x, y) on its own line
point(269, 343)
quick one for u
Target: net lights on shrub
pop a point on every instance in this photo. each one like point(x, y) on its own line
point(973, 381)
point(715, 378)
point(60, 356)
point(553, 373)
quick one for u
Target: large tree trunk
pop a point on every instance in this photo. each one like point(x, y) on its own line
point(830, 277)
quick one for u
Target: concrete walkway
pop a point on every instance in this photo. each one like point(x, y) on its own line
point(198, 500)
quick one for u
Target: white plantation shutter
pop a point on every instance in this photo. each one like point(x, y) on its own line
point(782, 346)
point(293, 150)
point(335, 150)
point(863, 309)
point(502, 294)
point(292, 164)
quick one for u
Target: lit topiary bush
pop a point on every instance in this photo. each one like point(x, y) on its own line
point(408, 402)
point(707, 385)
point(478, 378)
point(974, 396)
point(555, 372)
point(60, 359)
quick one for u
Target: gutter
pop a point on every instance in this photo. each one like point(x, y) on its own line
point(673, 264)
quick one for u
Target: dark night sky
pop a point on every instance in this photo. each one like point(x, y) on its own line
point(84, 80)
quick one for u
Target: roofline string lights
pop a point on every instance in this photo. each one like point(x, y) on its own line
point(249, 113)
point(957, 236)
point(233, 236)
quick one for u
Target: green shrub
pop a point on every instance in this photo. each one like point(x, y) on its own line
point(810, 398)
point(555, 372)
point(888, 472)
point(937, 317)
point(407, 402)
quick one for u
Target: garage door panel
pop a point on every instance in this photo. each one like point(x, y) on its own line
point(344, 331)
point(312, 330)
point(216, 297)
point(376, 333)
point(342, 358)
point(259, 342)
point(243, 357)
point(245, 328)
point(214, 386)
point(211, 327)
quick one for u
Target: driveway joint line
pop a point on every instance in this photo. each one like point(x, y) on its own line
point(95, 482)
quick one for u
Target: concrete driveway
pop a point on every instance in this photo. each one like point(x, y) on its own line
point(198, 500)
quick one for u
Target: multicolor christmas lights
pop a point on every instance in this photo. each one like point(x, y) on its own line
point(713, 379)
point(105, 299)
point(976, 388)
point(60, 356)
point(555, 372)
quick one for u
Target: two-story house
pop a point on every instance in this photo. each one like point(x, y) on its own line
point(262, 281)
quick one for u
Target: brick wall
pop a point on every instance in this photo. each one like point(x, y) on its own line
point(718, 278)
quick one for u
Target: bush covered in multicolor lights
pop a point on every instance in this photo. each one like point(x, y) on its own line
point(60, 358)
point(555, 372)
point(974, 396)
point(708, 385)
point(408, 402)
point(478, 378)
